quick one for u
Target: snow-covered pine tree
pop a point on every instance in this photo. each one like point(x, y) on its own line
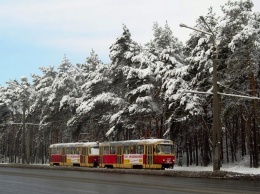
point(238, 36)
point(97, 103)
point(167, 57)
point(61, 94)
point(122, 54)
point(199, 78)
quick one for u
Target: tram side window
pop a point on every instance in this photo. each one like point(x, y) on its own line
point(119, 150)
point(140, 149)
point(94, 151)
point(68, 150)
point(77, 150)
point(126, 150)
point(84, 151)
point(55, 151)
point(106, 150)
point(132, 149)
point(112, 150)
point(158, 149)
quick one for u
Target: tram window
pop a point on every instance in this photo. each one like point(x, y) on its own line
point(53, 151)
point(140, 149)
point(77, 151)
point(157, 149)
point(126, 150)
point(133, 149)
point(119, 150)
point(94, 151)
point(68, 150)
point(162, 148)
point(72, 151)
point(112, 150)
point(106, 150)
point(84, 151)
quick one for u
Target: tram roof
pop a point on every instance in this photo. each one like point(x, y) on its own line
point(137, 141)
point(75, 144)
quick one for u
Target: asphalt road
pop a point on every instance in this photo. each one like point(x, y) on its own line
point(48, 181)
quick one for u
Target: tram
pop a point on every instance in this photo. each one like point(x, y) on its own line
point(74, 154)
point(137, 154)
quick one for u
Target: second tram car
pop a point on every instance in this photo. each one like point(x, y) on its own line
point(74, 154)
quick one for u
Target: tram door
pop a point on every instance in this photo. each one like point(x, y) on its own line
point(63, 156)
point(149, 156)
point(118, 156)
point(83, 157)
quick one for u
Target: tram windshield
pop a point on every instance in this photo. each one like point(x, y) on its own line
point(164, 149)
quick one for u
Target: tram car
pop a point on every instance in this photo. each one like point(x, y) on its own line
point(74, 154)
point(138, 154)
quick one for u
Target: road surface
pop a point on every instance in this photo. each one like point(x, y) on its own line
point(47, 181)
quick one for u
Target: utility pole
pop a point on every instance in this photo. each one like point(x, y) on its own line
point(216, 106)
point(23, 135)
point(216, 114)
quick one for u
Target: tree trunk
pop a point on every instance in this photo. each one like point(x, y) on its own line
point(187, 150)
point(250, 142)
point(255, 127)
point(196, 148)
point(243, 135)
point(227, 148)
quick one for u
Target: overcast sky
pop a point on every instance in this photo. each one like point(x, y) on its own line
point(35, 33)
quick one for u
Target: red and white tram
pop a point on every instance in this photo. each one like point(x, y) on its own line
point(144, 153)
point(74, 154)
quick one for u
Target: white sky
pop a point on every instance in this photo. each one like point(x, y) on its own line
point(39, 33)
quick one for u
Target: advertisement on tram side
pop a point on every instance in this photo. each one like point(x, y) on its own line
point(73, 158)
point(133, 158)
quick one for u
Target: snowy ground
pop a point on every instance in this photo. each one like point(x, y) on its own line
point(242, 166)
point(230, 168)
point(237, 168)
